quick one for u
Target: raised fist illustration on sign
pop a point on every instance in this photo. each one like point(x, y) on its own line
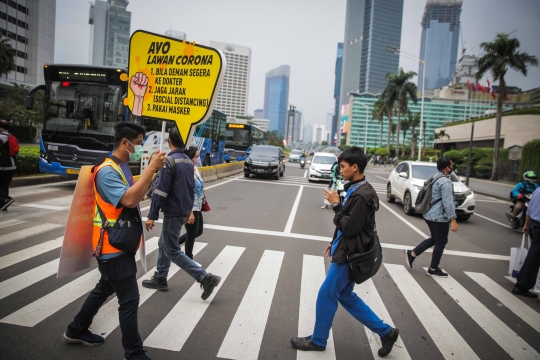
point(138, 85)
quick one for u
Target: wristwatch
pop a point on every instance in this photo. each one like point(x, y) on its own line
point(335, 204)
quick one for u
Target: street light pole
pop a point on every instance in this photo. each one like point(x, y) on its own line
point(397, 51)
point(291, 113)
point(470, 153)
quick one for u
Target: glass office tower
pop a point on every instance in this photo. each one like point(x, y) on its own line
point(370, 27)
point(276, 97)
point(439, 46)
point(337, 89)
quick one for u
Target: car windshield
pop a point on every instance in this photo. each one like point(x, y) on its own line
point(423, 172)
point(323, 159)
point(296, 152)
point(264, 151)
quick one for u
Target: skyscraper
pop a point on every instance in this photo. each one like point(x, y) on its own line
point(370, 27)
point(337, 89)
point(308, 134)
point(298, 126)
point(258, 114)
point(439, 46)
point(109, 34)
point(177, 34)
point(232, 98)
point(276, 97)
point(29, 28)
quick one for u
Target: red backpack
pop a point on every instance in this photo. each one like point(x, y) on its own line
point(13, 145)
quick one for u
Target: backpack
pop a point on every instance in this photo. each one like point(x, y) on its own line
point(13, 145)
point(170, 161)
point(423, 199)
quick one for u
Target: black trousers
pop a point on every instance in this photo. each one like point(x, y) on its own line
point(529, 271)
point(439, 239)
point(118, 275)
point(5, 179)
point(193, 231)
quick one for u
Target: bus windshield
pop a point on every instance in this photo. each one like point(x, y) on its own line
point(237, 138)
point(82, 112)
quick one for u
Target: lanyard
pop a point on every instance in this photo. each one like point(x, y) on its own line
point(351, 190)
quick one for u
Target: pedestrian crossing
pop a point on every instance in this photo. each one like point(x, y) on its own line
point(246, 330)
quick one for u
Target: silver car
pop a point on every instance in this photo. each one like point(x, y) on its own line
point(407, 179)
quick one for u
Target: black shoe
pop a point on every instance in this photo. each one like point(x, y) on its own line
point(158, 283)
point(208, 284)
point(6, 204)
point(85, 338)
point(141, 356)
point(305, 344)
point(437, 273)
point(388, 342)
point(517, 291)
point(409, 258)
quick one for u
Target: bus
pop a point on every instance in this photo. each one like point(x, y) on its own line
point(83, 103)
point(240, 138)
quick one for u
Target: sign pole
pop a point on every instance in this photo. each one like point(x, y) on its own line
point(162, 136)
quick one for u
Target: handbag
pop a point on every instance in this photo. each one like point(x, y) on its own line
point(363, 265)
point(125, 234)
point(517, 257)
point(205, 207)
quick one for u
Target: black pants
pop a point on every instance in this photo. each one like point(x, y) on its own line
point(193, 231)
point(5, 179)
point(118, 275)
point(529, 271)
point(439, 239)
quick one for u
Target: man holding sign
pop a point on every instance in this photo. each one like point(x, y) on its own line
point(114, 199)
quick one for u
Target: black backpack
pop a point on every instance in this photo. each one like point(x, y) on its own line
point(423, 200)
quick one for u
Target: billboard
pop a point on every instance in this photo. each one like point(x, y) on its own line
point(344, 126)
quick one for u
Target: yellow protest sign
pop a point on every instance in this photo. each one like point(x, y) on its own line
point(173, 80)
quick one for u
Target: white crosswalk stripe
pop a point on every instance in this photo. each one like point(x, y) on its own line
point(25, 233)
point(13, 222)
point(245, 333)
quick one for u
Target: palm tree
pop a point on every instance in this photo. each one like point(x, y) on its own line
point(441, 135)
point(393, 131)
point(7, 57)
point(405, 124)
point(414, 121)
point(378, 113)
point(500, 55)
point(400, 89)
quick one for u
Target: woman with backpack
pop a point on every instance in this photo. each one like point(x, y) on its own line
point(9, 148)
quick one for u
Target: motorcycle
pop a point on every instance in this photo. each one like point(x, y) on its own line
point(520, 219)
point(302, 162)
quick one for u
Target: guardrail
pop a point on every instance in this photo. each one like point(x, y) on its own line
point(211, 173)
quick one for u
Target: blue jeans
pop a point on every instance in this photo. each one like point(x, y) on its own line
point(118, 275)
point(169, 250)
point(337, 288)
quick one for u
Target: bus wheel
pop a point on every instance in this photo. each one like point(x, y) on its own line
point(206, 161)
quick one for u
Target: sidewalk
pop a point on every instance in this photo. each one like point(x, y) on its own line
point(497, 189)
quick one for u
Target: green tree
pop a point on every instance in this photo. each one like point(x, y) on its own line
point(7, 57)
point(275, 136)
point(441, 135)
point(400, 89)
point(530, 158)
point(414, 121)
point(405, 125)
point(393, 131)
point(500, 55)
point(324, 143)
point(378, 113)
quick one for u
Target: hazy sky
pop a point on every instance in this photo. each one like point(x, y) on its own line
point(301, 33)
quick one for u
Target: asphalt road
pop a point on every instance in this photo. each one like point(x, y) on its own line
point(266, 238)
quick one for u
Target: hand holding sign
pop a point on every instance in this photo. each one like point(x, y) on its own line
point(138, 84)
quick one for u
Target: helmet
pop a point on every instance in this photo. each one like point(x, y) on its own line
point(529, 177)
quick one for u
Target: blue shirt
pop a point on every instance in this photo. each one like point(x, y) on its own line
point(111, 188)
point(534, 206)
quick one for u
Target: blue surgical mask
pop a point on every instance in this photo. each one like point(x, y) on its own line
point(137, 155)
point(197, 161)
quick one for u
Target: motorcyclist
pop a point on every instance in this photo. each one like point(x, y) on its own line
point(525, 187)
point(302, 159)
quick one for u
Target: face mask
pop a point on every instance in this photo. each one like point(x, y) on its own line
point(137, 155)
point(197, 161)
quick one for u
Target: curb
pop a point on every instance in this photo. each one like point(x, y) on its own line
point(36, 180)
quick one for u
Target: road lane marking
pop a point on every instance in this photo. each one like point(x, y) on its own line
point(294, 209)
point(13, 222)
point(22, 234)
point(425, 236)
point(106, 320)
point(244, 337)
point(514, 345)
point(444, 335)
point(514, 280)
point(305, 174)
point(27, 278)
point(145, 208)
point(46, 207)
point(369, 294)
point(30, 252)
point(496, 222)
point(175, 328)
point(518, 307)
point(385, 179)
point(281, 183)
point(451, 252)
point(225, 182)
point(313, 275)
point(39, 310)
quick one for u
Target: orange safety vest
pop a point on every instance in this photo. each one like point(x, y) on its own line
point(110, 212)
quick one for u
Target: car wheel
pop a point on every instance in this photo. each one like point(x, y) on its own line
point(282, 172)
point(407, 207)
point(464, 217)
point(246, 174)
point(389, 197)
point(276, 177)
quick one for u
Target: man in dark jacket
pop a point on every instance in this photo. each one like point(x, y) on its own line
point(175, 195)
point(355, 224)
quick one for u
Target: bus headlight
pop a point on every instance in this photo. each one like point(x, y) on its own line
point(43, 155)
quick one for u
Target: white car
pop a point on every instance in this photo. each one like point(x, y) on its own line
point(320, 167)
point(407, 179)
point(294, 156)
